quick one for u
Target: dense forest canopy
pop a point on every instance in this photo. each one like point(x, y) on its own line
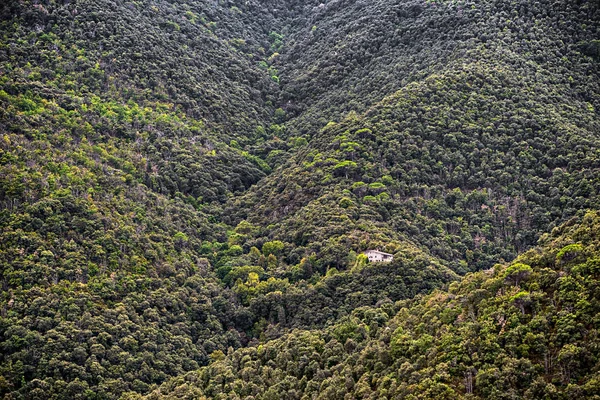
point(526, 330)
point(187, 187)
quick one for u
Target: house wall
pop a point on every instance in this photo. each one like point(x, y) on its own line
point(378, 257)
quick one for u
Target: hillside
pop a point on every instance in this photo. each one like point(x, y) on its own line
point(527, 330)
point(476, 129)
point(185, 182)
point(113, 163)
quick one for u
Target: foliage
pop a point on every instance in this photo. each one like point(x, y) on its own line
point(481, 338)
point(191, 184)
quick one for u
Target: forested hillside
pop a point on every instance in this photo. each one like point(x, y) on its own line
point(185, 184)
point(469, 127)
point(114, 160)
point(527, 330)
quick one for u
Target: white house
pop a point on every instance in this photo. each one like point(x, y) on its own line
point(378, 256)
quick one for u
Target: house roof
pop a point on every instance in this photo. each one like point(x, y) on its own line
point(379, 252)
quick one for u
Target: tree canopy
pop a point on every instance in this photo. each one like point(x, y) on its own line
point(187, 188)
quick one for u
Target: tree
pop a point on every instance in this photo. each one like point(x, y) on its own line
point(517, 273)
point(275, 248)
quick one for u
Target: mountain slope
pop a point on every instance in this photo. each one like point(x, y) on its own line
point(348, 55)
point(182, 178)
point(113, 166)
point(524, 330)
point(472, 157)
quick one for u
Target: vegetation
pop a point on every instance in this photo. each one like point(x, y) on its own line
point(187, 187)
point(489, 336)
point(468, 127)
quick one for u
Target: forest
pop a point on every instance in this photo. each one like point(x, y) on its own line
point(527, 330)
point(187, 188)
